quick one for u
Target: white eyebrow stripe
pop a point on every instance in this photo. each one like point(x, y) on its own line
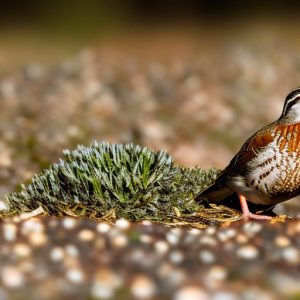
point(295, 97)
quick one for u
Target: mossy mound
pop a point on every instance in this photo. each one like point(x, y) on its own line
point(106, 181)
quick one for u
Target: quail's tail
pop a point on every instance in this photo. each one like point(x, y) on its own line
point(214, 193)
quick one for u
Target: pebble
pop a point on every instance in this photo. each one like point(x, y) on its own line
point(120, 240)
point(22, 250)
point(9, 231)
point(176, 257)
point(191, 293)
point(57, 254)
point(12, 277)
point(86, 235)
point(103, 227)
point(69, 223)
point(291, 255)
point(122, 224)
point(248, 252)
point(161, 247)
point(207, 257)
point(217, 273)
point(143, 287)
point(74, 275)
point(252, 228)
point(71, 250)
point(225, 296)
point(173, 236)
point(37, 239)
point(282, 241)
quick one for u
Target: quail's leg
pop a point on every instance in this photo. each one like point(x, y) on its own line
point(247, 214)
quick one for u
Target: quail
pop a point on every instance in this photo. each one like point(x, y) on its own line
point(266, 170)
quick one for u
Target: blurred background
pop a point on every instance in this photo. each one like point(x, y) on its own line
point(195, 78)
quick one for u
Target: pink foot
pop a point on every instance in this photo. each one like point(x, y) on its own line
point(247, 214)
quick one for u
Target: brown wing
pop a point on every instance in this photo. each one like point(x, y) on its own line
point(250, 149)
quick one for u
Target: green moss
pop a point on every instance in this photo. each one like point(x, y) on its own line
point(115, 181)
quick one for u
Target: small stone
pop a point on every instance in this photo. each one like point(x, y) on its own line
point(74, 275)
point(86, 235)
point(104, 284)
point(103, 227)
point(71, 250)
point(291, 255)
point(37, 239)
point(225, 296)
point(161, 247)
point(22, 250)
point(217, 273)
point(208, 240)
point(282, 241)
point(69, 223)
point(176, 257)
point(191, 293)
point(32, 225)
point(12, 277)
point(248, 252)
point(146, 223)
point(146, 238)
point(143, 287)
point(241, 238)
point(173, 236)
point(207, 257)
point(252, 228)
point(120, 240)
point(122, 224)
point(9, 231)
point(210, 230)
point(57, 254)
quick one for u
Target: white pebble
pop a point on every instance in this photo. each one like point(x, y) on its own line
point(57, 254)
point(122, 224)
point(207, 257)
point(143, 287)
point(120, 240)
point(22, 250)
point(282, 241)
point(191, 293)
point(146, 223)
point(291, 255)
point(210, 230)
point(37, 239)
point(69, 223)
point(176, 257)
point(75, 275)
point(207, 240)
point(225, 296)
point(173, 236)
point(86, 235)
point(252, 228)
point(103, 227)
point(146, 238)
point(12, 277)
point(9, 231)
point(161, 247)
point(217, 273)
point(32, 225)
point(247, 252)
point(71, 250)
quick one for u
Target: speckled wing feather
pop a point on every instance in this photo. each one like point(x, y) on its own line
point(218, 191)
point(249, 150)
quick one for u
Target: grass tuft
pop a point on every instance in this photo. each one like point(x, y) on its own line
point(111, 181)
